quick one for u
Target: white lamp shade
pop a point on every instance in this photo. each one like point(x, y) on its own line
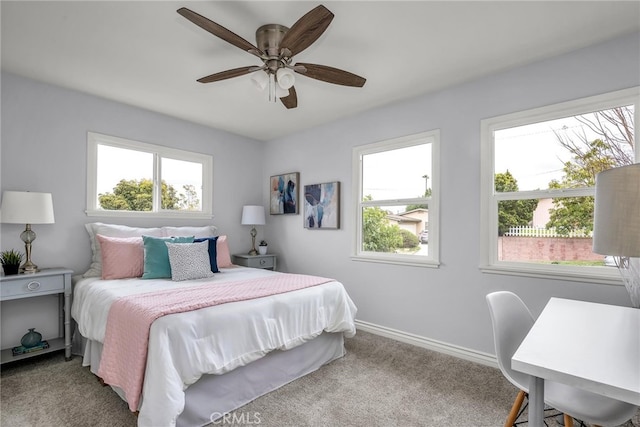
point(25, 207)
point(260, 79)
point(252, 215)
point(285, 77)
point(281, 93)
point(616, 223)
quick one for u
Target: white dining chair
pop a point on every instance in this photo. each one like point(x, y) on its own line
point(511, 321)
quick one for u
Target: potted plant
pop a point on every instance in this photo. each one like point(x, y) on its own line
point(262, 248)
point(11, 261)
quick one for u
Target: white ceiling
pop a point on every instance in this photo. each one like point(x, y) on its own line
point(144, 54)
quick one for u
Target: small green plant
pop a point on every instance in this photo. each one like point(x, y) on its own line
point(11, 257)
point(263, 243)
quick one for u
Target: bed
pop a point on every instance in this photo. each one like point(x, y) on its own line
point(203, 363)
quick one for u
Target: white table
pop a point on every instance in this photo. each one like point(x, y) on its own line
point(597, 348)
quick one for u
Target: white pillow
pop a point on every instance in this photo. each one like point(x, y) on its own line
point(189, 260)
point(111, 230)
point(203, 231)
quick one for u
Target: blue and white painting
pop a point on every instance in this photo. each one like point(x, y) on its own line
point(284, 194)
point(322, 206)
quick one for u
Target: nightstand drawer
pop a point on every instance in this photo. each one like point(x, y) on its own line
point(266, 262)
point(26, 285)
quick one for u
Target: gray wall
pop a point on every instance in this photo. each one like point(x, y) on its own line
point(44, 148)
point(445, 304)
point(48, 125)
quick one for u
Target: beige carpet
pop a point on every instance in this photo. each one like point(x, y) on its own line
point(379, 383)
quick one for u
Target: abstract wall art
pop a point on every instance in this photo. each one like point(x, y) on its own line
point(322, 206)
point(284, 193)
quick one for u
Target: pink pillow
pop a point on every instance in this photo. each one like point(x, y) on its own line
point(122, 257)
point(223, 257)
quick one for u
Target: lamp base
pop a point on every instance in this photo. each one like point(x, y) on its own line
point(253, 242)
point(28, 236)
point(28, 267)
point(29, 270)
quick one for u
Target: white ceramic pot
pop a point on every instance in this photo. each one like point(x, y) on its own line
point(262, 250)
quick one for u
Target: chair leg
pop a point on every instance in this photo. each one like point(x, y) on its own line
point(568, 420)
point(517, 404)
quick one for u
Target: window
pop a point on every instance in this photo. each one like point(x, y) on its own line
point(131, 178)
point(396, 192)
point(538, 183)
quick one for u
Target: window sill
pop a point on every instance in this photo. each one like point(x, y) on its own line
point(604, 277)
point(140, 214)
point(396, 261)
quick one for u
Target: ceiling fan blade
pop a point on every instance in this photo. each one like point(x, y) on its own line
point(291, 100)
point(331, 75)
point(307, 30)
point(228, 74)
point(219, 31)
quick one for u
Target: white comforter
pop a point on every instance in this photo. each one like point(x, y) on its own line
point(214, 340)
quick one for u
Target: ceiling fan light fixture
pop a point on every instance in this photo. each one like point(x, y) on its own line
point(260, 79)
point(285, 78)
point(281, 93)
point(272, 88)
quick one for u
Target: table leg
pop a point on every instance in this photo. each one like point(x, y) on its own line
point(61, 309)
point(67, 326)
point(536, 402)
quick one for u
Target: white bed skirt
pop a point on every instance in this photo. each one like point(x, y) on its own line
point(215, 395)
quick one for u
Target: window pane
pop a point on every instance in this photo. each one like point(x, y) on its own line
point(397, 201)
point(129, 178)
point(551, 231)
point(553, 153)
point(564, 153)
point(181, 185)
point(404, 233)
point(397, 174)
point(124, 179)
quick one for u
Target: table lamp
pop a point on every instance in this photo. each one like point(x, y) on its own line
point(616, 223)
point(24, 207)
point(253, 215)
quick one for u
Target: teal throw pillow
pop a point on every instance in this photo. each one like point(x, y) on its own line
point(156, 256)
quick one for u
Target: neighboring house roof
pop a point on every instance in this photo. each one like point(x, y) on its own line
point(400, 218)
point(414, 211)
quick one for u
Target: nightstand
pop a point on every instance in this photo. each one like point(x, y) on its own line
point(45, 282)
point(267, 262)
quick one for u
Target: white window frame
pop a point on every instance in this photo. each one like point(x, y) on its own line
point(433, 258)
point(489, 198)
point(158, 152)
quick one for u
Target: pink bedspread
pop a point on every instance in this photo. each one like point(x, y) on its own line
point(129, 321)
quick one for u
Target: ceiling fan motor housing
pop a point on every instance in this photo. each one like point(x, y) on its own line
point(268, 39)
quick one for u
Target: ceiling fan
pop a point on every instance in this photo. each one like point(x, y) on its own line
point(276, 47)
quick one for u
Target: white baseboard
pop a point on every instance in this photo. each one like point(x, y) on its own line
point(439, 346)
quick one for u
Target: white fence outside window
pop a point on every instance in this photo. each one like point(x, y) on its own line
point(527, 231)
